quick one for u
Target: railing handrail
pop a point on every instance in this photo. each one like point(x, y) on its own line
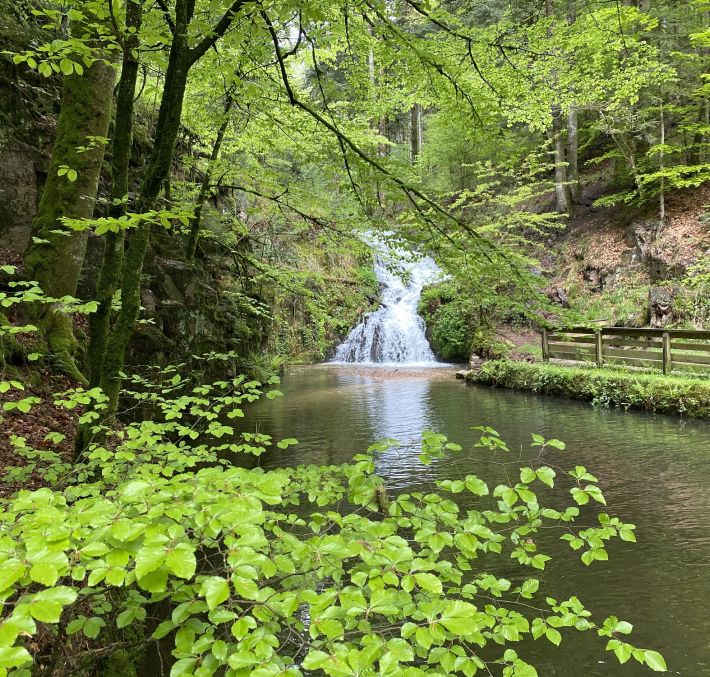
point(603, 342)
point(701, 334)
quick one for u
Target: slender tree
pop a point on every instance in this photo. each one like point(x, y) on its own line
point(109, 275)
point(181, 59)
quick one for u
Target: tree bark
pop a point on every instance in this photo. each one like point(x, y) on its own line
point(575, 188)
point(55, 257)
point(562, 194)
point(167, 129)
point(416, 131)
point(573, 154)
point(110, 274)
point(662, 159)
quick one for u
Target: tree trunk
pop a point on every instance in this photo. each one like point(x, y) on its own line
point(575, 188)
point(196, 221)
point(110, 274)
point(55, 257)
point(167, 129)
point(416, 133)
point(573, 155)
point(662, 161)
point(563, 202)
point(562, 195)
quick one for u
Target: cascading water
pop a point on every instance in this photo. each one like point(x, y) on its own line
point(394, 333)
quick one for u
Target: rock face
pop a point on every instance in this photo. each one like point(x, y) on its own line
point(660, 304)
point(193, 309)
point(559, 296)
point(22, 172)
point(595, 278)
point(475, 362)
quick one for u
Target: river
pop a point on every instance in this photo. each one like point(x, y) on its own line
point(654, 471)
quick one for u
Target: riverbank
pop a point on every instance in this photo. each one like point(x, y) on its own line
point(682, 396)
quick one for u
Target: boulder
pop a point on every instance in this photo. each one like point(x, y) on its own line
point(559, 296)
point(475, 362)
point(660, 305)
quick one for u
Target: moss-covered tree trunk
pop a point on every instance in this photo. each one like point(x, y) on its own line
point(182, 58)
point(110, 275)
point(56, 253)
point(167, 129)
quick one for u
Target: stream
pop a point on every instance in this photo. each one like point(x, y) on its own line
point(654, 471)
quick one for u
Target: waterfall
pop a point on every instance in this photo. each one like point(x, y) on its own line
point(394, 333)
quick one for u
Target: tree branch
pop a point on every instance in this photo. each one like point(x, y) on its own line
point(222, 26)
point(410, 191)
point(166, 14)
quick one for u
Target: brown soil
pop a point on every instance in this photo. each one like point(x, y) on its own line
point(44, 417)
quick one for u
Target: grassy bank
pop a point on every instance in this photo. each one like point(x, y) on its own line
point(682, 396)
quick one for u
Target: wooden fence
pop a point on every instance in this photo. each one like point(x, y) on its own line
point(664, 349)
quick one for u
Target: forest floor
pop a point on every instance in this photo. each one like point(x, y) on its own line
point(45, 417)
point(618, 247)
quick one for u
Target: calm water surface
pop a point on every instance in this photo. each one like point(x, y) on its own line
point(654, 472)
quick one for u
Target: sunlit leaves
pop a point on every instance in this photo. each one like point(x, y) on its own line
point(215, 590)
point(240, 557)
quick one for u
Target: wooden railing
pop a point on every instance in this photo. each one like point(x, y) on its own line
point(663, 349)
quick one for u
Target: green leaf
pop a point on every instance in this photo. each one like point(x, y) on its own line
point(181, 561)
point(47, 605)
point(554, 636)
point(163, 629)
point(14, 657)
point(428, 582)
point(125, 618)
point(241, 627)
point(11, 571)
point(654, 660)
point(245, 587)
point(44, 573)
point(149, 559)
point(546, 476)
point(93, 626)
point(458, 617)
point(476, 486)
point(215, 590)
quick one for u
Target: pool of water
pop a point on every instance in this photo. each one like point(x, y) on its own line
point(654, 470)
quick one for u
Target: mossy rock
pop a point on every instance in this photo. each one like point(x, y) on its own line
point(449, 317)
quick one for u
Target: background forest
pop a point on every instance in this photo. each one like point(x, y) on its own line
point(187, 189)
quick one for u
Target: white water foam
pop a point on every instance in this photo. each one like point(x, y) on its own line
point(394, 334)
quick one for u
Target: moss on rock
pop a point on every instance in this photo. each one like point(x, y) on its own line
point(683, 396)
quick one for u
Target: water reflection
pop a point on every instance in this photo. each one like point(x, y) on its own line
point(654, 471)
point(399, 409)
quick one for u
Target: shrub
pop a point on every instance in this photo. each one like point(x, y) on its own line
point(272, 572)
point(450, 321)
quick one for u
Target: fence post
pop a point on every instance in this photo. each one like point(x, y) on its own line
point(599, 345)
point(545, 347)
point(667, 360)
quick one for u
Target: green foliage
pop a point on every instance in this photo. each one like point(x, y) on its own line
point(293, 569)
point(450, 321)
point(316, 306)
point(623, 306)
point(684, 396)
